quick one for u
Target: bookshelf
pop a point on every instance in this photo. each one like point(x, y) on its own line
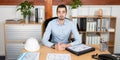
point(94, 29)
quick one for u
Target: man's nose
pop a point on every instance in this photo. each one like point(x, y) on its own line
point(61, 13)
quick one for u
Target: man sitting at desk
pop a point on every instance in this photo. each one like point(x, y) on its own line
point(60, 29)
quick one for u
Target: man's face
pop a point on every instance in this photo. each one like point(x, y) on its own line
point(61, 13)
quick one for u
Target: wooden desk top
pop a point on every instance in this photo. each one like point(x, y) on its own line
point(45, 50)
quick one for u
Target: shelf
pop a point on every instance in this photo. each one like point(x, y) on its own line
point(100, 31)
point(82, 31)
point(111, 44)
point(78, 17)
point(98, 27)
point(93, 31)
point(105, 16)
point(18, 22)
point(15, 41)
point(108, 32)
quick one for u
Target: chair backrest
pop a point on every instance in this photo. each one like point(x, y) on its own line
point(48, 20)
point(46, 23)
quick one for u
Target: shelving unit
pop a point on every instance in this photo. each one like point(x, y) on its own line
point(97, 29)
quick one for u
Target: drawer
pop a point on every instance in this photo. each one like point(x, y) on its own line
point(13, 51)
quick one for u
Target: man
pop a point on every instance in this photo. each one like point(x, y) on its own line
point(60, 29)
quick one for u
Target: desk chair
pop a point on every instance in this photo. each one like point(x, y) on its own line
point(2, 57)
point(46, 23)
point(50, 19)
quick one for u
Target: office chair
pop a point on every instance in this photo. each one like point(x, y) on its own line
point(50, 19)
point(46, 23)
point(2, 57)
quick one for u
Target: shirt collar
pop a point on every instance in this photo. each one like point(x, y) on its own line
point(65, 22)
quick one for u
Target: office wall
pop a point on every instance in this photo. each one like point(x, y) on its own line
point(1, 39)
point(115, 12)
point(56, 2)
point(87, 10)
point(9, 12)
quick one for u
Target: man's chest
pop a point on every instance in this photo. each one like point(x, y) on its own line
point(61, 30)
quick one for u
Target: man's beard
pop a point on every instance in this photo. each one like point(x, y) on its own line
point(61, 18)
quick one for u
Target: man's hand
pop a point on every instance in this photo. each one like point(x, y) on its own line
point(61, 46)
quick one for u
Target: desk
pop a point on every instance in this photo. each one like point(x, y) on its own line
point(45, 50)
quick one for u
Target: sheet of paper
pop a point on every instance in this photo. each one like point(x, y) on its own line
point(29, 56)
point(80, 47)
point(53, 56)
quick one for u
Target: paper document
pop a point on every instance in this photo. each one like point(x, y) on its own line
point(53, 56)
point(29, 56)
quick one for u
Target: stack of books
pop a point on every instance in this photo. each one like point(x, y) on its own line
point(92, 39)
point(91, 26)
point(15, 20)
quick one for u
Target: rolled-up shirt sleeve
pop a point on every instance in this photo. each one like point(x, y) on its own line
point(76, 35)
point(46, 36)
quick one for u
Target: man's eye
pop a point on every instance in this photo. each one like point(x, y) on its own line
point(58, 11)
point(63, 12)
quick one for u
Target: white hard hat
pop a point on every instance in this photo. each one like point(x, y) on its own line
point(32, 45)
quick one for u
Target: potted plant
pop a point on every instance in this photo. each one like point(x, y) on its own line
point(74, 5)
point(25, 9)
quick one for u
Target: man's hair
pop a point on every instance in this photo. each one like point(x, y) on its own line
point(62, 6)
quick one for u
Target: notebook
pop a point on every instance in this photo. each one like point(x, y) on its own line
point(80, 49)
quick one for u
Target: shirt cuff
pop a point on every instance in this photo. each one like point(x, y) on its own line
point(50, 44)
point(74, 43)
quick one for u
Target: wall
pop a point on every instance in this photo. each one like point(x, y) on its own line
point(115, 12)
point(56, 2)
point(1, 38)
point(87, 10)
point(9, 11)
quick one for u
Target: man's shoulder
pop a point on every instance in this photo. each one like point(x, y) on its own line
point(69, 21)
point(53, 21)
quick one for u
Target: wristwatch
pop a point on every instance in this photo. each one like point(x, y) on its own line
point(53, 46)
